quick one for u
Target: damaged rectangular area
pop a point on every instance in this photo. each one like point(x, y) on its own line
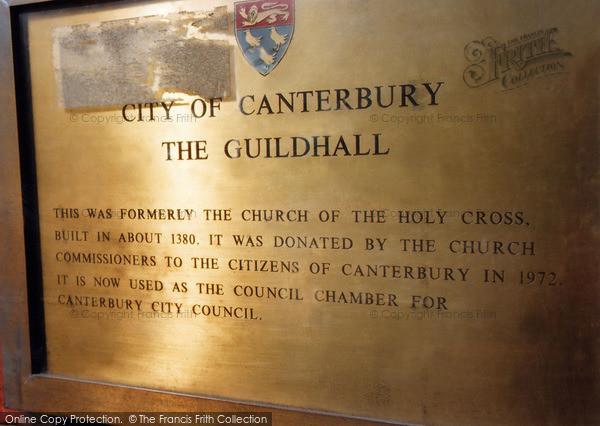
point(139, 59)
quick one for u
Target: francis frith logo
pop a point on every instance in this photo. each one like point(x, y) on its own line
point(516, 62)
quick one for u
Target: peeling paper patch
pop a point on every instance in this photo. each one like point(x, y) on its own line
point(137, 60)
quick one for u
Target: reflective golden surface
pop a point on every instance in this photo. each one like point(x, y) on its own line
point(430, 261)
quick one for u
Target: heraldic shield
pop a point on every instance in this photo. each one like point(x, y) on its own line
point(263, 30)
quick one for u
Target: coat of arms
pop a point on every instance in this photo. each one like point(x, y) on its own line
point(263, 30)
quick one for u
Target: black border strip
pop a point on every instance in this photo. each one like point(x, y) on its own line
point(31, 214)
point(33, 259)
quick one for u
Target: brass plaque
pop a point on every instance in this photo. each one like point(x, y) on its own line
point(383, 209)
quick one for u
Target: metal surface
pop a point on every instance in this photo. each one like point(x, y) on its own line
point(442, 267)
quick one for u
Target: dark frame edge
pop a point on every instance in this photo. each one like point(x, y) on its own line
point(14, 321)
point(33, 258)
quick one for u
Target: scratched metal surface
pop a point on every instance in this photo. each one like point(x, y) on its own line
point(139, 59)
